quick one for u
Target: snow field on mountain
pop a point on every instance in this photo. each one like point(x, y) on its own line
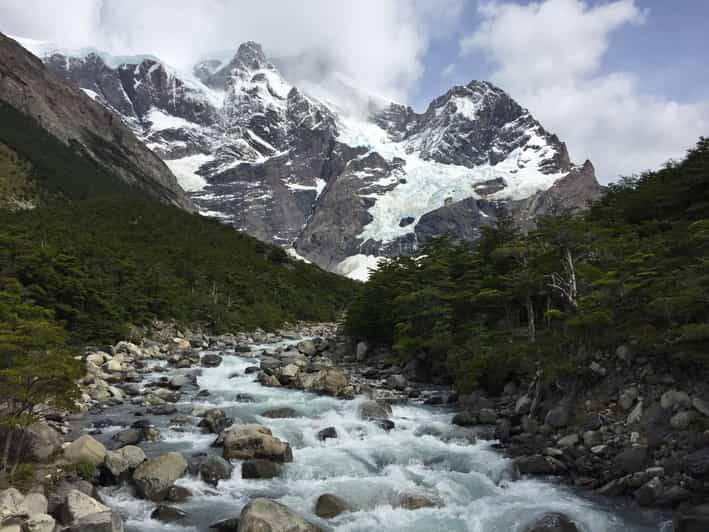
point(429, 184)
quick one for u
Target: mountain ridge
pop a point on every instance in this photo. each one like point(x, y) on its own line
point(304, 173)
point(90, 131)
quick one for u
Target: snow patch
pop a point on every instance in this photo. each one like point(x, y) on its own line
point(297, 256)
point(358, 267)
point(430, 185)
point(91, 94)
point(161, 120)
point(185, 170)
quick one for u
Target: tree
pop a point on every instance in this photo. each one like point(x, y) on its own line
point(36, 370)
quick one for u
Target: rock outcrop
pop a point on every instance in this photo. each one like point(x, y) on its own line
point(340, 188)
point(76, 120)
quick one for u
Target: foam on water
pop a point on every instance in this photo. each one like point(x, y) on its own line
point(368, 467)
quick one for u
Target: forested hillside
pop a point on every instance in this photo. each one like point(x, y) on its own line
point(99, 265)
point(633, 270)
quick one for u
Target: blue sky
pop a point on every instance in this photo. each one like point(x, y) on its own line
point(668, 51)
point(623, 82)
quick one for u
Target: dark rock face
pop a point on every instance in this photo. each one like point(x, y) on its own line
point(329, 506)
point(168, 514)
point(260, 469)
point(264, 156)
point(553, 522)
point(71, 116)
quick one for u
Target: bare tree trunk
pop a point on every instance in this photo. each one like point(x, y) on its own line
point(571, 271)
point(18, 454)
point(6, 450)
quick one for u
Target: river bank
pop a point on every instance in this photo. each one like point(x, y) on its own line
point(381, 449)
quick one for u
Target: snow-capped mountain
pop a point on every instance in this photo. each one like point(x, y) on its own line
point(300, 168)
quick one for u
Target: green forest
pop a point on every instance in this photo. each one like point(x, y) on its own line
point(633, 270)
point(100, 265)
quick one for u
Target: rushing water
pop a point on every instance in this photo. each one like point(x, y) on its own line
point(366, 466)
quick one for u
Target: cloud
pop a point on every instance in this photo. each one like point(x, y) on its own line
point(448, 70)
point(380, 43)
point(549, 56)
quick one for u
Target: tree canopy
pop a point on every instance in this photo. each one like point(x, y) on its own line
point(634, 269)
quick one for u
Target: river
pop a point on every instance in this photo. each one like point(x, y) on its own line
point(365, 465)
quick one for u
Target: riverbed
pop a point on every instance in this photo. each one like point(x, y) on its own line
point(367, 466)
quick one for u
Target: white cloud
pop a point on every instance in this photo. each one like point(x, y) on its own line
point(448, 70)
point(549, 55)
point(379, 43)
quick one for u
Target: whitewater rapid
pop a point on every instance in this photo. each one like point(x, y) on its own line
point(365, 465)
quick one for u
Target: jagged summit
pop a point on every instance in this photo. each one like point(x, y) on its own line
point(341, 179)
point(250, 54)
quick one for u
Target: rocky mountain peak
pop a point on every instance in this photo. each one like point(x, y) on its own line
point(250, 55)
point(249, 61)
point(341, 184)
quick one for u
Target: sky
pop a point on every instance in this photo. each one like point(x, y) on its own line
point(623, 82)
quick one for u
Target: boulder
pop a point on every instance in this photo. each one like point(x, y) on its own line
point(465, 419)
point(415, 501)
point(268, 380)
point(12, 505)
point(397, 382)
point(558, 417)
point(265, 515)
point(260, 469)
point(85, 449)
point(372, 410)
point(125, 460)
point(591, 438)
point(627, 398)
point(178, 381)
point(538, 465)
point(288, 373)
point(226, 525)
point(280, 413)
point(168, 514)
point(631, 460)
point(487, 416)
point(210, 360)
point(41, 442)
point(215, 421)
point(36, 503)
point(154, 478)
point(245, 442)
point(681, 420)
point(553, 522)
point(673, 399)
point(163, 410)
point(569, 441)
point(131, 436)
point(361, 351)
point(328, 381)
point(307, 347)
point(696, 464)
point(39, 523)
point(648, 493)
point(57, 496)
point(178, 494)
point(327, 433)
point(212, 469)
point(98, 522)
point(78, 505)
point(328, 506)
point(636, 414)
point(523, 405)
point(701, 406)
